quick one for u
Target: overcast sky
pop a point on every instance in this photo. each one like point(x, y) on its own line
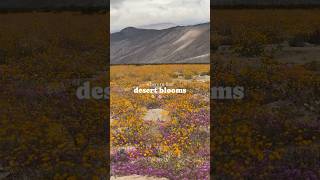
point(136, 13)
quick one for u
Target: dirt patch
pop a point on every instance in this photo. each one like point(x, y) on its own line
point(157, 115)
point(204, 78)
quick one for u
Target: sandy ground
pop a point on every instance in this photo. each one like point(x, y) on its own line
point(157, 114)
point(198, 78)
point(203, 79)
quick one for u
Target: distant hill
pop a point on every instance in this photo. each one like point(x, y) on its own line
point(264, 2)
point(51, 4)
point(158, 26)
point(56, 4)
point(181, 44)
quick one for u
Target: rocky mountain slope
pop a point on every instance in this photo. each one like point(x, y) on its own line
point(34, 4)
point(264, 2)
point(181, 44)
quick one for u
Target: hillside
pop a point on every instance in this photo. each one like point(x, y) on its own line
point(37, 4)
point(265, 2)
point(181, 44)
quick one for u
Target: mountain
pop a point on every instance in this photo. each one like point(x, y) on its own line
point(35, 4)
point(263, 2)
point(180, 44)
point(158, 26)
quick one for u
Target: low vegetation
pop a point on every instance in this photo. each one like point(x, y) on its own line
point(160, 135)
point(46, 132)
point(273, 133)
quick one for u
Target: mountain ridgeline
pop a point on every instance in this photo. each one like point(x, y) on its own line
point(180, 44)
point(52, 4)
point(265, 3)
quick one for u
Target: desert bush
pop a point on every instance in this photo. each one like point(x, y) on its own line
point(313, 66)
point(250, 43)
point(175, 75)
point(205, 73)
point(298, 40)
point(3, 57)
point(188, 76)
point(215, 41)
point(314, 37)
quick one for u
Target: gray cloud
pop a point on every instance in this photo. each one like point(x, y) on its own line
point(116, 3)
point(136, 13)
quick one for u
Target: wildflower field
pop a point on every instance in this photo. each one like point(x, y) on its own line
point(46, 132)
point(273, 133)
point(160, 135)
